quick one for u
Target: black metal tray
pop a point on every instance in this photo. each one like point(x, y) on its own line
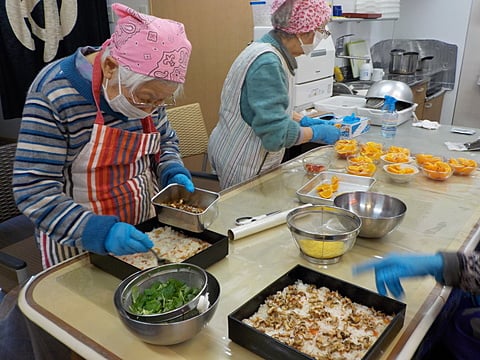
point(209, 256)
point(270, 348)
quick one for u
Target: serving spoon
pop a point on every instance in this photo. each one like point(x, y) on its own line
point(160, 261)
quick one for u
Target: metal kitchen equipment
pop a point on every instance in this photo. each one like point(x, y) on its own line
point(314, 75)
point(403, 62)
point(242, 220)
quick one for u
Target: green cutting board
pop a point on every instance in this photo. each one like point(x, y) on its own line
point(357, 48)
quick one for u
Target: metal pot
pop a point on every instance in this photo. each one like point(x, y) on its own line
point(403, 62)
point(425, 64)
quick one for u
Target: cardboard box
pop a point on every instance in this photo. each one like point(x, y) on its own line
point(351, 130)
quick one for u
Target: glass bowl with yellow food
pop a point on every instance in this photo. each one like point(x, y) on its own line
point(396, 158)
point(463, 166)
point(323, 233)
point(401, 173)
point(439, 171)
point(372, 150)
point(346, 147)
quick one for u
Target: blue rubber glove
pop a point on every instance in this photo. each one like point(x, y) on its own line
point(308, 121)
point(325, 134)
point(182, 180)
point(392, 268)
point(124, 239)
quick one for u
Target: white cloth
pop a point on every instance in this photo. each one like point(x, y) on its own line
point(427, 124)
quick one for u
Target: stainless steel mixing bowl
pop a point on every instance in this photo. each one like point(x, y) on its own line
point(398, 89)
point(380, 213)
point(175, 331)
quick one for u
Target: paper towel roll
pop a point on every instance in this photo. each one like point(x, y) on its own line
point(242, 231)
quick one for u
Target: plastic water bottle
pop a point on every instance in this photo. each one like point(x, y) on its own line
point(390, 118)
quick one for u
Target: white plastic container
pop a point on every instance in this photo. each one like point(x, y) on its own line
point(344, 105)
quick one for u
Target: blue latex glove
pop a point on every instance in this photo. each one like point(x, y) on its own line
point(124, 239)
point(325, 134)
point(308, 121)
point(182, 180)
point(392, 268)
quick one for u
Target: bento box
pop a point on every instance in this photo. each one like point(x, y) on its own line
point(346, 183)
point(177, 207)
point(216, 251)
point(269, 347)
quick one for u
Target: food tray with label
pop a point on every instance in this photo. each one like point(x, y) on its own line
point(346, 183)
point(270, 348)
point(217, 250)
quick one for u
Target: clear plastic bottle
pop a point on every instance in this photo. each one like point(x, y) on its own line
point(390, 117)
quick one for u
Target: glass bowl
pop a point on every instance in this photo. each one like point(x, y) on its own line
point(315, 164)
point(439, 171)
point(463, 166)
point(323, 233)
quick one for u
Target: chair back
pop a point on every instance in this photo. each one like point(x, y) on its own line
point(8, 207)
point(188, 122)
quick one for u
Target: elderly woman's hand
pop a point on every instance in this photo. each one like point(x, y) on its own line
point(182, 180)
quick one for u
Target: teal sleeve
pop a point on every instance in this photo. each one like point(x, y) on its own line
point(264, 102)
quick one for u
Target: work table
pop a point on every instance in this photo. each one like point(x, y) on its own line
point(74, 300)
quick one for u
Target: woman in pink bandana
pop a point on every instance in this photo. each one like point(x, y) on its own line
point(95, 144)
point(256, 121)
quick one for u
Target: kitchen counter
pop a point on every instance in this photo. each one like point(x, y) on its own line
point(73, 300)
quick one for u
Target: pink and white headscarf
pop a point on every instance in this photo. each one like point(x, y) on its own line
point(149, 45)
point(306, 16)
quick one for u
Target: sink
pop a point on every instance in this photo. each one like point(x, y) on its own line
point(356, 87)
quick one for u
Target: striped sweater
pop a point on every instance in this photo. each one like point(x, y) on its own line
point(57, 122)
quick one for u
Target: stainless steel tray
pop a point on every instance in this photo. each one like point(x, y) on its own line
point(308, 193)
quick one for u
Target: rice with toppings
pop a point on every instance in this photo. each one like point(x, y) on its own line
point(319, 322)
point(169, 244)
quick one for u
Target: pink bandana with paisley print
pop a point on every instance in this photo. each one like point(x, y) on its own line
point(306, 16)
point(149, 45)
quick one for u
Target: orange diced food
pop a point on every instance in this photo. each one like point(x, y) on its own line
point(399, 169)
point(463, 166)
point(398, 149)
point(397, 157)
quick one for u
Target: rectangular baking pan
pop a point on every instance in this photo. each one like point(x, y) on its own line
point(308, 193)
point(270, 348)
point(209, 256)
point(205, 199)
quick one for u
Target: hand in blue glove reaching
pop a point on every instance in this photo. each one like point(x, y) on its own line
point(392, 268)
point(325, 134)
point(308, 121)
point(124, 239)
point(182, 180)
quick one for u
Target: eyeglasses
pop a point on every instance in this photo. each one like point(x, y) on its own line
point(324, 33)
point(170, 101)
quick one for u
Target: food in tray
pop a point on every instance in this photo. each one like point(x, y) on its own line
point(439, 170)
point(462, 166)
point(168, 244)
point(181, 205)
point(327, 189)
point(346, 147)
point(319, 322)
point(362, 169)
point(372, 149)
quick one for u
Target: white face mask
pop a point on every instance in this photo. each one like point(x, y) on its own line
point(121, 104)
point(308, 48)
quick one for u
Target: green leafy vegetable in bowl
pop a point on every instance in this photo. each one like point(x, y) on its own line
point(161, 297)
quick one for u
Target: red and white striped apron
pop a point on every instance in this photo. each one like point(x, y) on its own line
point(111, 175)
